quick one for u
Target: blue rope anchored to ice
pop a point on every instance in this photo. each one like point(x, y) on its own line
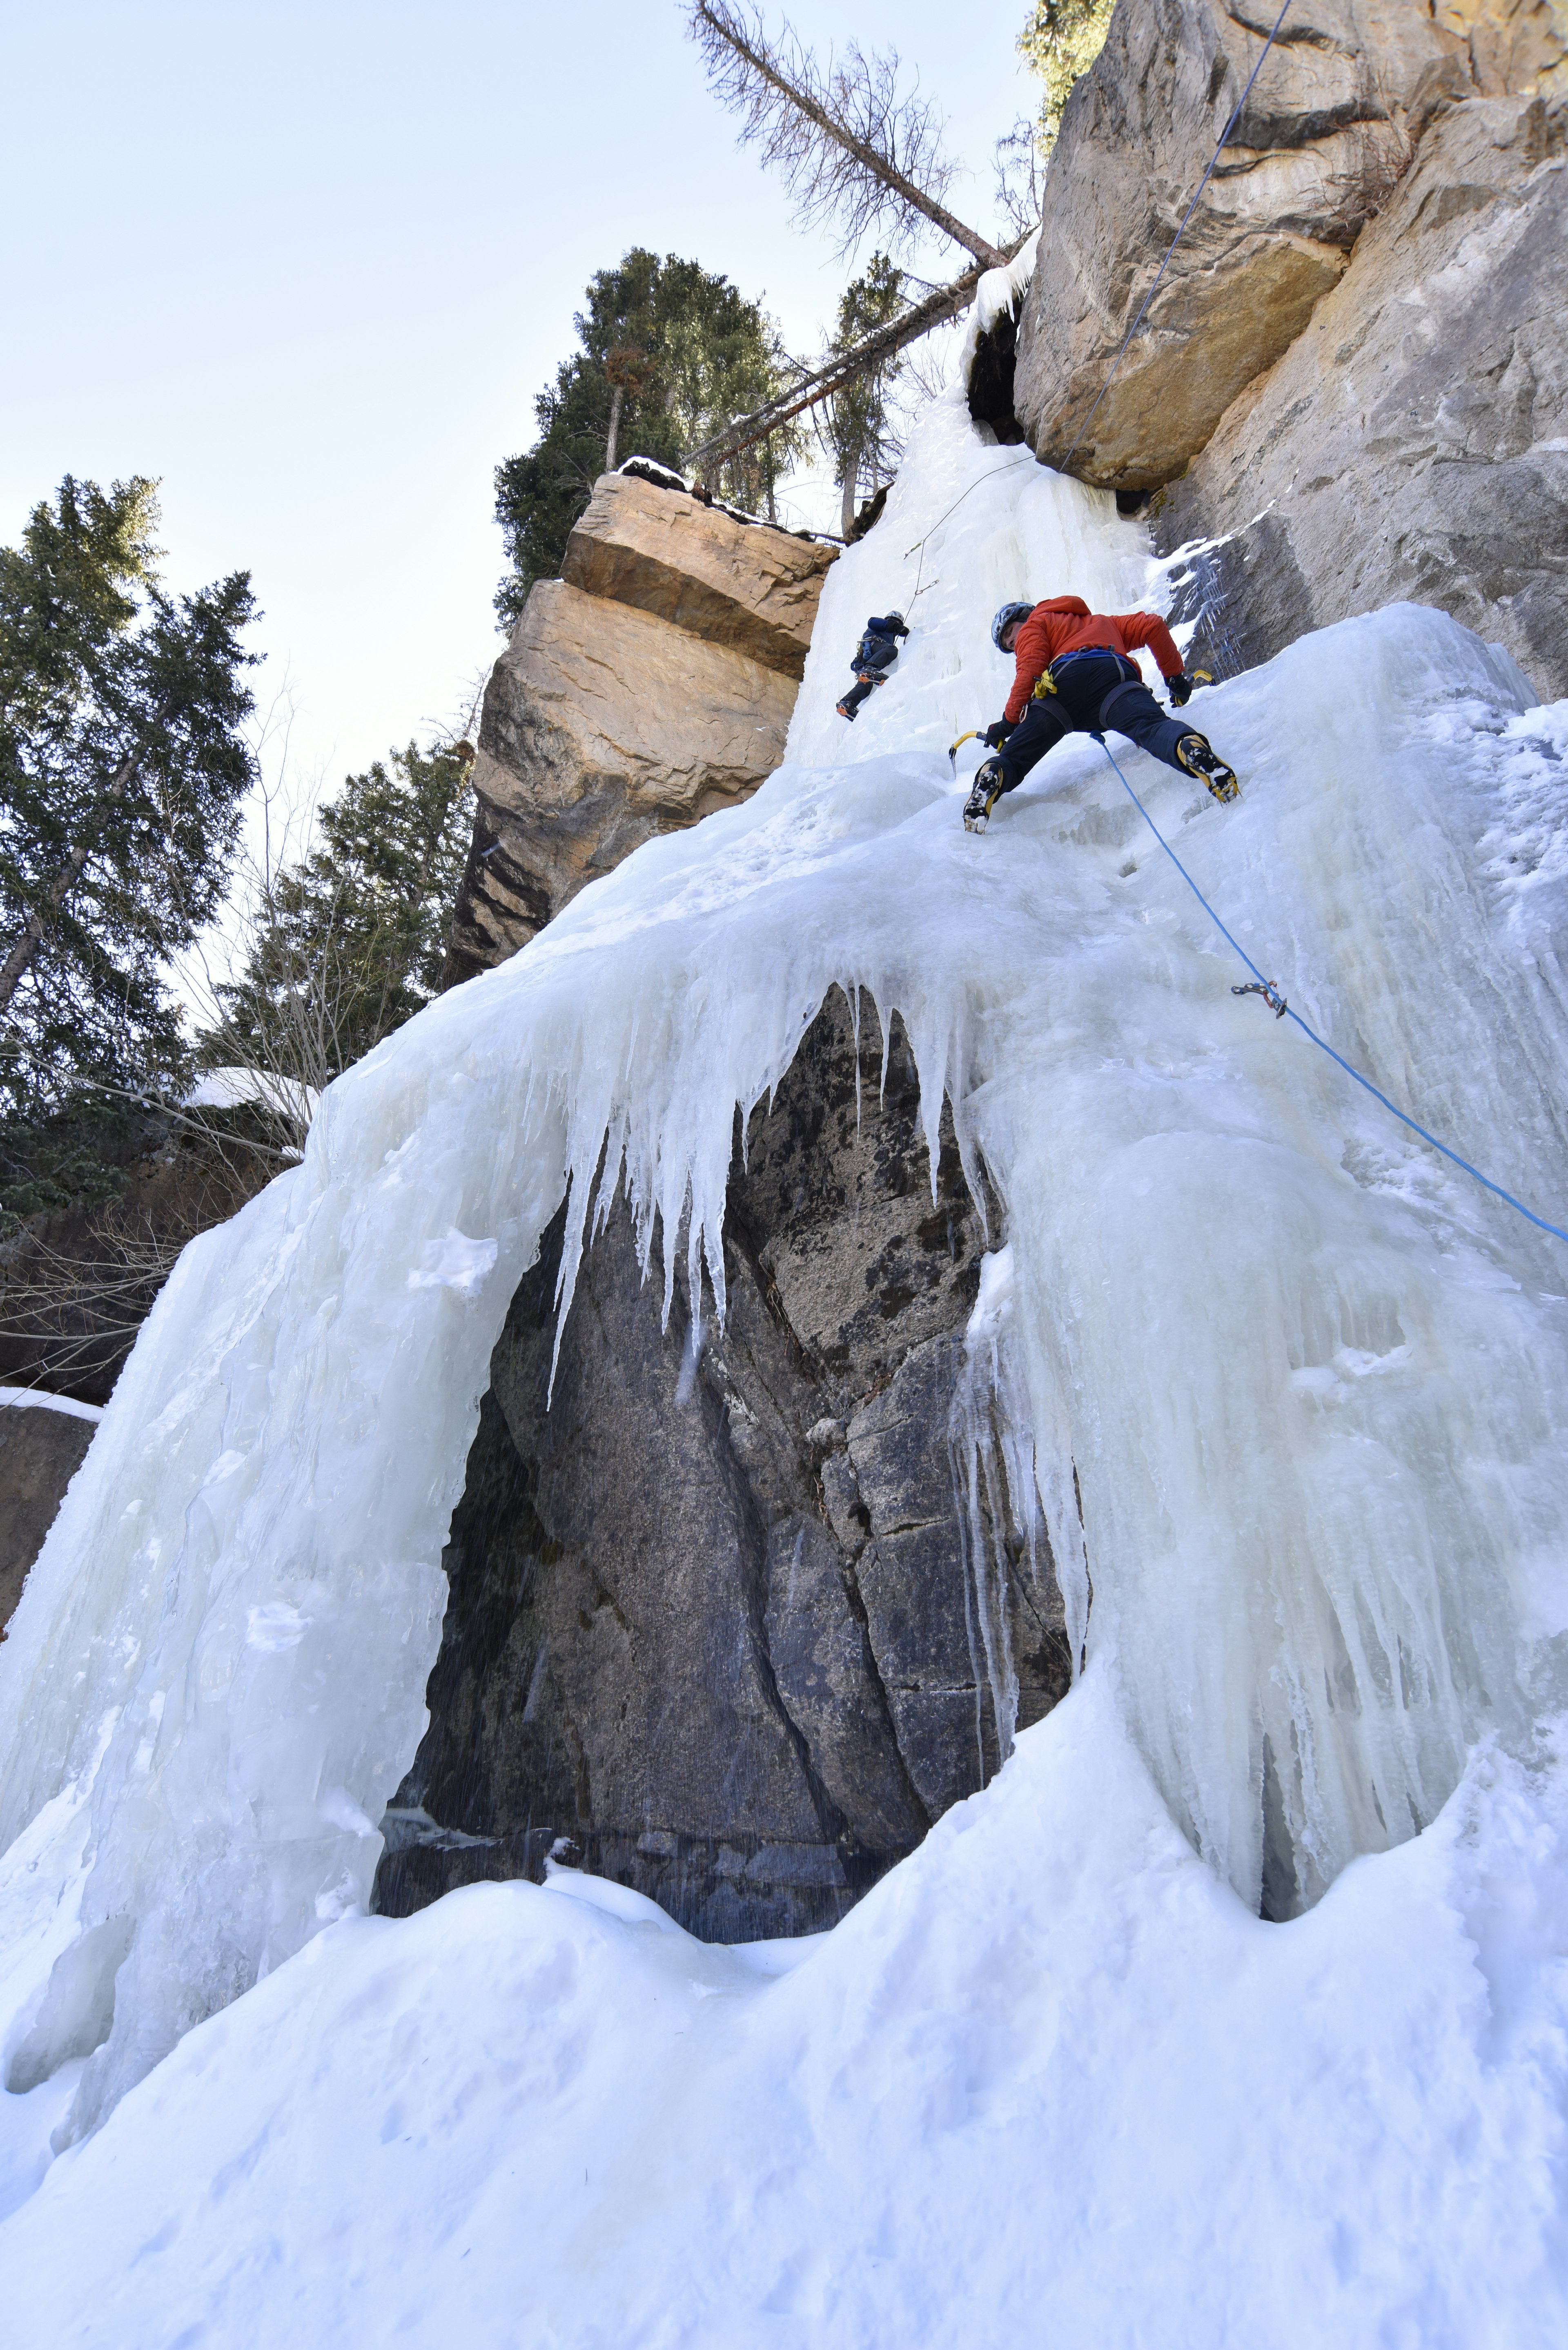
point(1282, 1011)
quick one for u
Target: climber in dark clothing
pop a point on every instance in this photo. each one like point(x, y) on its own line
point(1074, 676)
point(874, 657)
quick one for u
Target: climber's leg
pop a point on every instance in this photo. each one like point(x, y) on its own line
point(1133, 710)
point(1041, 728)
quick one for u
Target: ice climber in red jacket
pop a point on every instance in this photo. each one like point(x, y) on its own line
point(1074, 676)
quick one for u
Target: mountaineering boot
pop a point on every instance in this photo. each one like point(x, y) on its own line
point(845, 712)
point(1201, 758)
point(984, 792)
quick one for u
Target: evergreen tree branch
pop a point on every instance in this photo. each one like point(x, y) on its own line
point(36, 927)
point(840, 370)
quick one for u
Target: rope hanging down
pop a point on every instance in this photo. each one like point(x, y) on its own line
point(1180, 233)
point(1281, 1010)
point(920, 543)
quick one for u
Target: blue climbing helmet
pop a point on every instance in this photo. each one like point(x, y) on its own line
point(1008, 613)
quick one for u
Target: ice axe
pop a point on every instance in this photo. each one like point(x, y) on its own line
point(954, 748)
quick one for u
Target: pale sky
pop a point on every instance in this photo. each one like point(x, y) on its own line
point(310, 263)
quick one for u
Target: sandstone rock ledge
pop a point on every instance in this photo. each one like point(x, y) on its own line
point(746, 586)
point(650, 685)
point(1349, 388)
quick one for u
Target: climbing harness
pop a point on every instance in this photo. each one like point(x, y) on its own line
point(1271, 996)
point(1180, 233)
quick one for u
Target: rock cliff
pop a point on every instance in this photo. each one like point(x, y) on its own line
point(1353, 370)
point(720, 1613)
point(736, 1614)
point(1412, 443)
point(1268, 237)
point(651, 684)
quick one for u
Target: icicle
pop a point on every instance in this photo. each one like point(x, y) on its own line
point(1297, 1395)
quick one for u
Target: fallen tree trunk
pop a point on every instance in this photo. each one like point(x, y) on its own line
point(834, 373)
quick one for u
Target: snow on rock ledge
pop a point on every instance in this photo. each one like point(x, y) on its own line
point(647, 686)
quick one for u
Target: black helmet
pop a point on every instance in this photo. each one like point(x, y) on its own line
point(1008, 614)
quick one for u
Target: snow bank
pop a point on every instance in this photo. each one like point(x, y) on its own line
point(232, 1086)
point(1306, 1385)
point(41, 1400)
point(1050, 2081)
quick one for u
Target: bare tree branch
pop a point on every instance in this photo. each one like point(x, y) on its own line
point(1019, 189)
point(849, 148)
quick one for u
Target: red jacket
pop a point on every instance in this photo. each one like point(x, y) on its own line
point(1064, 623)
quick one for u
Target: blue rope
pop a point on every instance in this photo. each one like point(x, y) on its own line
point(1267, 985)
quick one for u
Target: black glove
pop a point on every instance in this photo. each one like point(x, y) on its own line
point(1180, 686)
point(996, 734)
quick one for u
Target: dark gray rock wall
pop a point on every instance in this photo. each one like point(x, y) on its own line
point(714, 1620)
point(41, 1449)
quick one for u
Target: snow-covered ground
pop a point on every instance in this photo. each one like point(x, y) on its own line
point(1050, 2083)
point(1053, 2078)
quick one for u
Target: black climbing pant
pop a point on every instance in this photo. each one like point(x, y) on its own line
point(873, 657)
point(1096, 693)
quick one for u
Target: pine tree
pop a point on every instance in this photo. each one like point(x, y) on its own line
point(858, 429)
point(861, 154)
point(348, 943)
point(1060, 41)
point(669, 354)
point(122, 770)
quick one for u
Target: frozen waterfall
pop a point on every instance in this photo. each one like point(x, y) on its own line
point(1306, 1385)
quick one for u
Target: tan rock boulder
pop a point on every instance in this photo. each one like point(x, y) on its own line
point(1325, 124)
point(730, 583)
point(603, 726)
point(1513, 48)
point(1414, 443)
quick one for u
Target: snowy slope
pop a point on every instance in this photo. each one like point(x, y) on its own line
point(1313, 1386)
point(1050, 2081)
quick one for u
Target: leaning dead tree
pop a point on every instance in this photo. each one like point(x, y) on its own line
point(849, 148)
point(852, 152)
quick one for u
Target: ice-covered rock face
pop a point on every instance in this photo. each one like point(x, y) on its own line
point(1309, 1383)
